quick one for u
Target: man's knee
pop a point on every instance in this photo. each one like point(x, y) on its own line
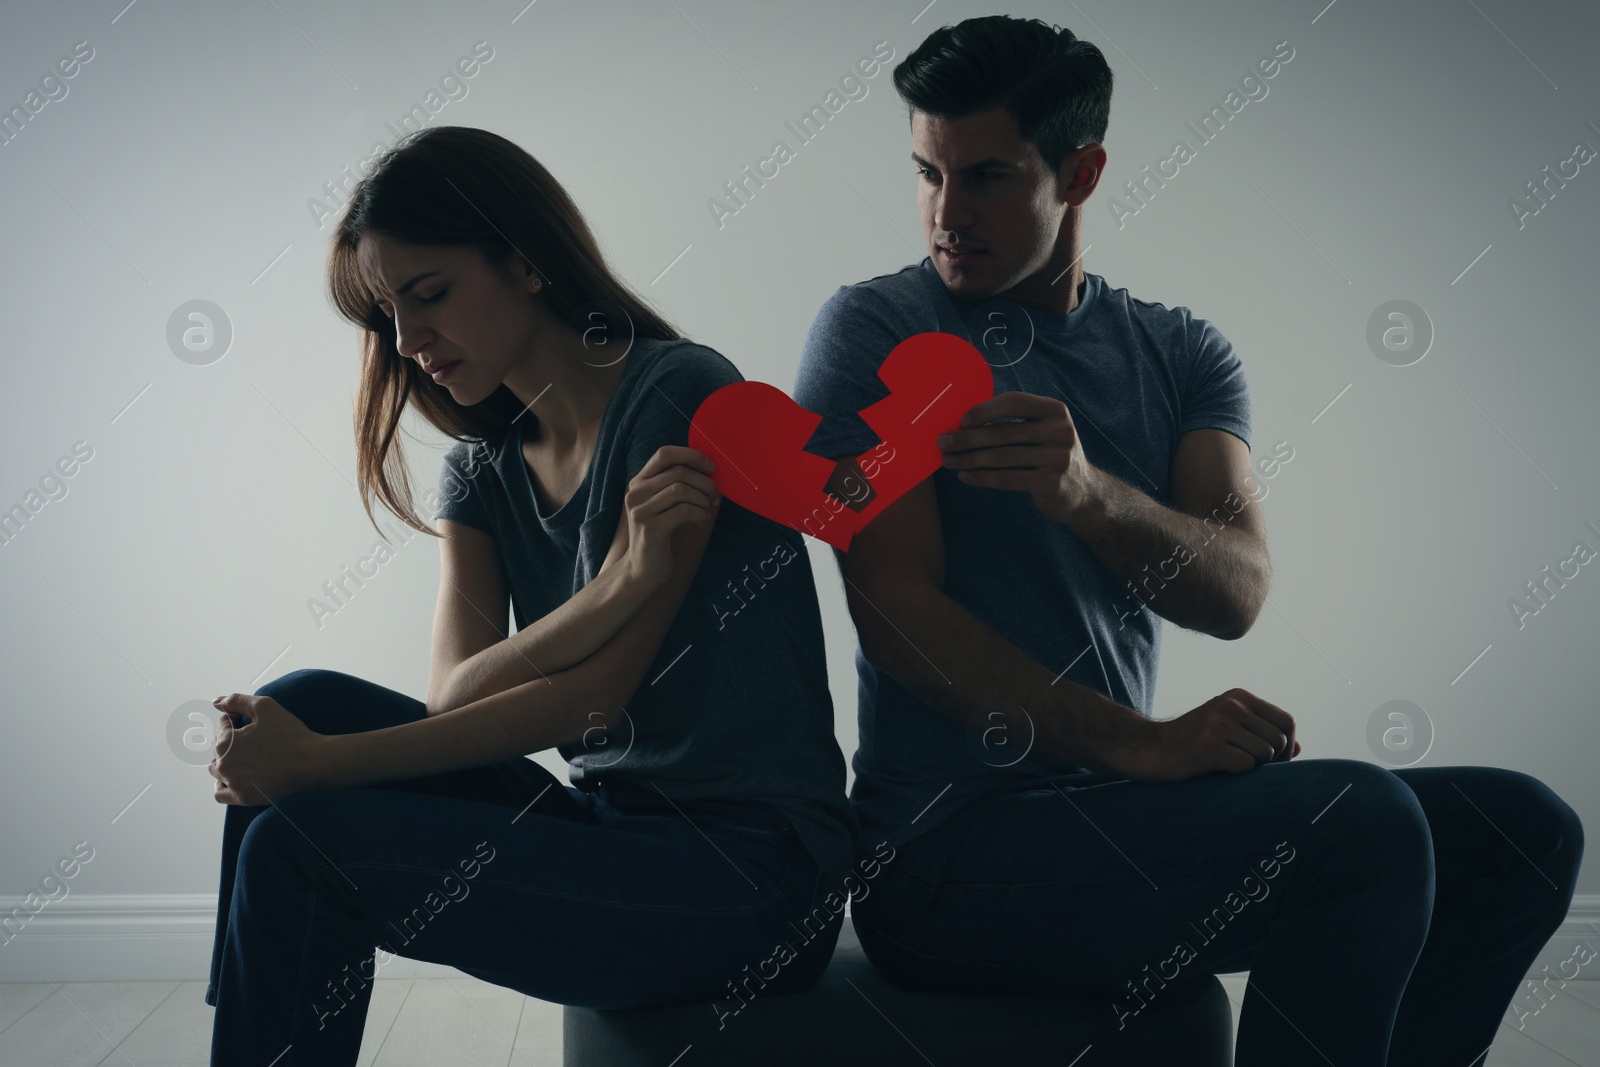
point(1377, 794)
point(1380, 812)
point(1552, 831)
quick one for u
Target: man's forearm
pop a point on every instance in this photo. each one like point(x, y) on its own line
point(560, 640)
point(1200, 573)
point(963, 669)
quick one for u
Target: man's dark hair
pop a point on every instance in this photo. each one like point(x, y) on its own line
point(1055, 86)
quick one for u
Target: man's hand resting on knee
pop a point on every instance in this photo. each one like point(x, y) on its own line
point(1235, 731)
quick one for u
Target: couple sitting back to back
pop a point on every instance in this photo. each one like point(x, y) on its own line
point(1028, 829)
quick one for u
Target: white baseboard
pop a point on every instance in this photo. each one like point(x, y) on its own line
point(134, 937)
point(123, 938)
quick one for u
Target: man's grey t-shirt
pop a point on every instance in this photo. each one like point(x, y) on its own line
point(1134, 376)
point(735, 706)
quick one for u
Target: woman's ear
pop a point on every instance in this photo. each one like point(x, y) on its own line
point(521, 273)
point(527, 274)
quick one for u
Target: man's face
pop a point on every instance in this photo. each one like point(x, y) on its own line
point(981, 186)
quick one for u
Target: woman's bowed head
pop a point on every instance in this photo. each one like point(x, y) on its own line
point(476, 283)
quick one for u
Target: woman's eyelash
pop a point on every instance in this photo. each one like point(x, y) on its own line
point(435, 298)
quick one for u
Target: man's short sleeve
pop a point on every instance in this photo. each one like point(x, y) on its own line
point(850, 337)
point(685, 375)
point(463, 486)
point(1215, 393)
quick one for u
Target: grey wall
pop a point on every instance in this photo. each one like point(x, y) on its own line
point(177, 562)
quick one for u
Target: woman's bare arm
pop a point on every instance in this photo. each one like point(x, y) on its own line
point(559, 708)
point(472, 656)
point(672, 509)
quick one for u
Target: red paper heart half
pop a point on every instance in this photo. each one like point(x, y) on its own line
point(756, 434)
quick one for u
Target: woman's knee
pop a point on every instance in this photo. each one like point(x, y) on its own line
point(308, 694)
point(295, 831)
point(263, 843)
point(333, 702)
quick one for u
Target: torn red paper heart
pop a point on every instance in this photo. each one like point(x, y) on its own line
point(757, 434)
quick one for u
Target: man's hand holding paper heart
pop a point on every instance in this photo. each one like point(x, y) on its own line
point(1031, 445)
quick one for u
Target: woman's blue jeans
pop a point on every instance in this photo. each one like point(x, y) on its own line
point(605, 899)
point(1385, 916)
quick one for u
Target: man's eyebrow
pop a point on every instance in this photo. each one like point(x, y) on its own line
point(987, 163)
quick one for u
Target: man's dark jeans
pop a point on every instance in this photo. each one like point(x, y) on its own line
point(1380, 913)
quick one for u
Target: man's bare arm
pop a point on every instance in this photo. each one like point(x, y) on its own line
point(1203, 563)
point(951, 660)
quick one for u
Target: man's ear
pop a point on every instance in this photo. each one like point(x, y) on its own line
point(1080, 173)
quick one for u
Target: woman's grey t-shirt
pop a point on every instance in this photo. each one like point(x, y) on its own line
point(735, 706)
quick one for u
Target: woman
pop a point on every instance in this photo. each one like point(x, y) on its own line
point(668, 644)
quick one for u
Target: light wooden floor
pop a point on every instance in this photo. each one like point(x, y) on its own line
point(425, 1022)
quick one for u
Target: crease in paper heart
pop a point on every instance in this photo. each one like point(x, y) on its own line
point(756, 433)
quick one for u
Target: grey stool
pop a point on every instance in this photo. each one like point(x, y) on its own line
point(877, 1024)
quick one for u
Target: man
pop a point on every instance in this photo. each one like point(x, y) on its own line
point(1051, 838)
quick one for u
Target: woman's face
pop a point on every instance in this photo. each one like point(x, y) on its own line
point(452, 310)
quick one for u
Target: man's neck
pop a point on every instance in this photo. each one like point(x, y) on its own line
point(1052, 289)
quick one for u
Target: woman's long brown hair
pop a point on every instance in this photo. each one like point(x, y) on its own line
point(455, 185)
